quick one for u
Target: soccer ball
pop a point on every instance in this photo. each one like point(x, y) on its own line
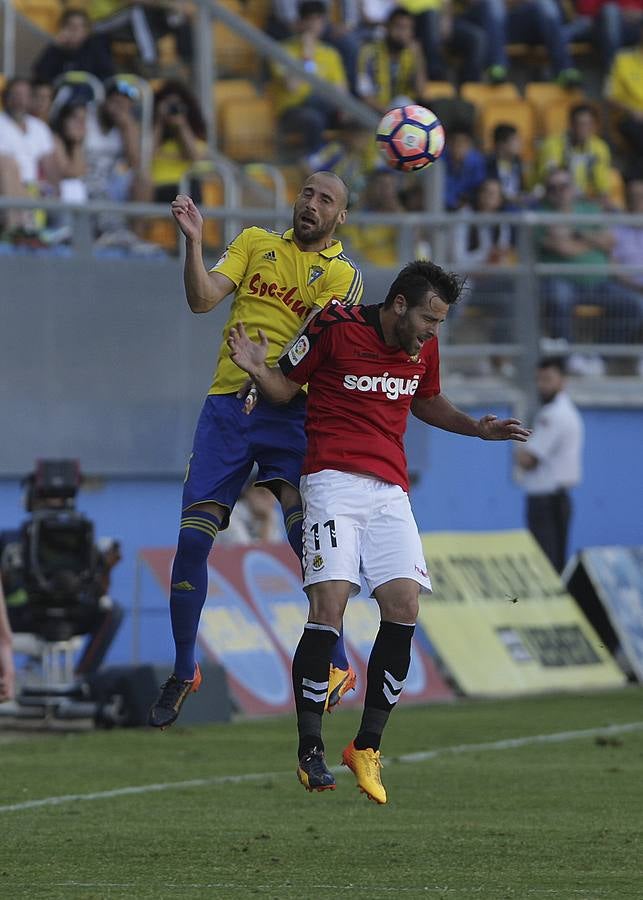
point(410, 138)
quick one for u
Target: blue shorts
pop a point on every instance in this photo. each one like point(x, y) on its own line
point(228, 443)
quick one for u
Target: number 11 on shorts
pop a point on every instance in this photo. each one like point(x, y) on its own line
point(332, 533)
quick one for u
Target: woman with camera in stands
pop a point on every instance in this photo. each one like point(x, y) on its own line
point(179, 139)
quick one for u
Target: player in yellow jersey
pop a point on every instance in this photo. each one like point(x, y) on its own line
point(279, 282)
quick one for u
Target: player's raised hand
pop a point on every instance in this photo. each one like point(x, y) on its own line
point(188, 217)
point(248, 355)
point(494, 429)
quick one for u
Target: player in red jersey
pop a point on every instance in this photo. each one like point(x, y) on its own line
point(366, 367)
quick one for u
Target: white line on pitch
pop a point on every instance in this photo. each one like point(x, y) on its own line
point(423, 756)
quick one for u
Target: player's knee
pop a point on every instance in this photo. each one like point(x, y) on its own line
point(328, 602)
point(193, 546)
point(403, 607)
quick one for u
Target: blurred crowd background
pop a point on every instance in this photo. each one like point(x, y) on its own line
point(542, 101)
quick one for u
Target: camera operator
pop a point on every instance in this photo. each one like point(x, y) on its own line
point(7, 671)
point(56, 579)
point(179, 139)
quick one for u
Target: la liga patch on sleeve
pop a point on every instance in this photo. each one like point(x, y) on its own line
point(299, 350)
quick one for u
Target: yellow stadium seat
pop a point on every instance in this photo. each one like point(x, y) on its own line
point(257, 12)
point(43, 13)
point(482, 94)
point(519, 113)
point(248, 131)
point(212, 195)
point(616, 190)
point(555, 116)
point(161, 232)
point(233, 55)
point(543, 94)
point(437, 90)
point(238, 89)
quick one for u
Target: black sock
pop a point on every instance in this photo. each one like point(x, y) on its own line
point(310, 667)
point(388, 667)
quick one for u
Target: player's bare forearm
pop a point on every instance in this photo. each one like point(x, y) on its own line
point(441, 413)
point(273, 385)
point(204, 290)
point(250, 356)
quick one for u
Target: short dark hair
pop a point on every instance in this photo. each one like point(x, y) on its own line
point(552, 362)
point(503, 132)
point(72, 13)
point(417, 278)
point(398, 11)
point(311, 8)
point(583, 108)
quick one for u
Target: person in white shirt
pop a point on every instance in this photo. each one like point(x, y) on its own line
point(551, 462)
point(27, 159)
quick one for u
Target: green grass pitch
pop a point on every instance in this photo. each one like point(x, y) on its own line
point(553, 819)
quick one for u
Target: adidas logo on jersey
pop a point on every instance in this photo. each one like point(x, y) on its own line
point(271, 256)
point(382, 384)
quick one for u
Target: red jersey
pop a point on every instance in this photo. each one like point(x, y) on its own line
point(359, 392)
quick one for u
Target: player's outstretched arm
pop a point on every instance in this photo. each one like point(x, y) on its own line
point(203, 289)
point(251, 357)
point(441, 413)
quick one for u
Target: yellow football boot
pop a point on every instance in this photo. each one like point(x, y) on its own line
point(340, 681)
point(365, 766)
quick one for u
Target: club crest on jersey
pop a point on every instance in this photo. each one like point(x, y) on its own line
point(271, 256)
point(299, 350)
point(314, 273)
point(318, 562)
point(386, 384)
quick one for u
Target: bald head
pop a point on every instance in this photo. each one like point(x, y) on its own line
point(319, 209)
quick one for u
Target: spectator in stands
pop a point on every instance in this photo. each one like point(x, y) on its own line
point(112, 148)
point(465, 168)
point(579, 245)
point(42, 95)
point(144, 22)
point(505, 164)
point(342, 18)
point(377, 243)
point(474, 244)
point(391, 70)
point(300, 109)
point(74, 48)
point(352, 155)
point(625, 92)
point(255, 519)
point(488, 245)
point(476, 35)
point(27, 158)
point(609, 24)
point(480, 32)
point(179, 139)
point(582, 152)
point(70, 132)
point(628, 250)
point(7, 668)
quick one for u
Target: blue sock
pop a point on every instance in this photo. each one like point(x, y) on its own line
point(293, 519)
point(338, 656)
point(190, 585)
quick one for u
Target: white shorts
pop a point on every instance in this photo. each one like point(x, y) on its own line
point(357, 527)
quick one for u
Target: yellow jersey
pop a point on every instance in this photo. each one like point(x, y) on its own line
point(277, 287)
point(326, 64)
point(625, 80)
